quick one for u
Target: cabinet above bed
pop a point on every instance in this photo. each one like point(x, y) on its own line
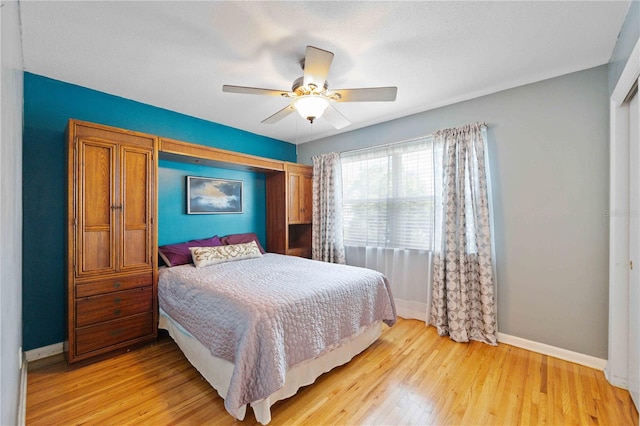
point(289, 210)
point(289, 191)
point(186, 152)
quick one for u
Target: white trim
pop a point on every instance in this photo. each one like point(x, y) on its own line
point(22, 401)
point(410, 309)
point(617, 381)
point(618, 242)
point(616, 367)
point(44, 352)
point(628, 77)
point(564, 354)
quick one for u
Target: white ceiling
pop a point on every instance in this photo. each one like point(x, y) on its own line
point(178, 54)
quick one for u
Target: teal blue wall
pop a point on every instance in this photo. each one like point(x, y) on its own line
point(175, 225)
point(48, 104)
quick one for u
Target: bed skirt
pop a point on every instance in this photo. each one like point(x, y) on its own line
point(218, 371)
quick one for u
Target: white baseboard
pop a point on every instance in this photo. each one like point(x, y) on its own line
point(416, 310)
point(411, 310)
point(615, 380)
point(564, 354)
point(44, 352)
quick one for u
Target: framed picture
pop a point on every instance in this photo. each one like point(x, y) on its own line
point(213, 196)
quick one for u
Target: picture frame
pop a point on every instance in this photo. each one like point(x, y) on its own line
point(207, 195)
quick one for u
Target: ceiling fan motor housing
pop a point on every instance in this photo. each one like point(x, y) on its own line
point(300, 89)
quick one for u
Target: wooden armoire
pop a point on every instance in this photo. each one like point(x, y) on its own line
point(112, 239)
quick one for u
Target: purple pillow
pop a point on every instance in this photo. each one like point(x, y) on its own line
point(179, 254)
point(241, 239)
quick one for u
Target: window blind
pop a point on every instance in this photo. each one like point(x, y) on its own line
point(388, 195)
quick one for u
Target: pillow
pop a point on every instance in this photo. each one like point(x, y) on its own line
point(179, 254)
point(205, 256)
point(242, 238)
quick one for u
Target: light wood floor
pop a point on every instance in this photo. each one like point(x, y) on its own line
point(410, 376)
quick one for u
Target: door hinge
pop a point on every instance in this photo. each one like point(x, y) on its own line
point(631, 265)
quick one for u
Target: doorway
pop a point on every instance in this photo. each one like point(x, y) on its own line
point(623, 369)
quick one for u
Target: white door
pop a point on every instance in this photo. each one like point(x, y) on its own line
point(634, 252)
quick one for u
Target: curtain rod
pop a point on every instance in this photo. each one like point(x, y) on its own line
point(429, 135)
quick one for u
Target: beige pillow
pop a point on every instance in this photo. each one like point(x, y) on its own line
point(205, 256)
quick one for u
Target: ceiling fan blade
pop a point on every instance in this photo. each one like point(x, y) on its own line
point(254, 90)
point(371, 94)
point(279, 115)
point(316, 66)
point(335, 117)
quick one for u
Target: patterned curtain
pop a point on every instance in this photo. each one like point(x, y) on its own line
point(327, 241)
point(463, 304)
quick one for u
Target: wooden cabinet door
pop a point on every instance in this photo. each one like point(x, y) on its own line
point(95, 222)
point(300, 198)
point(307, 199)
point(295, 198)
point(135, 206)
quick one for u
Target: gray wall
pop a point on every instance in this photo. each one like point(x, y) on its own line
point(627, 39)
point(549, 154)
point(10, 213)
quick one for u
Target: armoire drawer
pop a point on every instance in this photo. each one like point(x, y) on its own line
point(111, 333)
point(110, 306)
point(113, 284)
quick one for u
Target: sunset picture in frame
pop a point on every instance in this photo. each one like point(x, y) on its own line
point(213, 196)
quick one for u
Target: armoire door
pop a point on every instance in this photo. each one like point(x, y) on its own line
point(134, 209)
point(96, 208)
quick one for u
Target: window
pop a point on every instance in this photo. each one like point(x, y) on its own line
point(388, 195)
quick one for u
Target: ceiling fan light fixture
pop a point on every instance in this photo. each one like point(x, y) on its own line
point(310, 107)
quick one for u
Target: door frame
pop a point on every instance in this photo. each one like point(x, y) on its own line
point(616, 370)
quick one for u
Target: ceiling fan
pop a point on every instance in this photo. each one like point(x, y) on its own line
point(310, 94)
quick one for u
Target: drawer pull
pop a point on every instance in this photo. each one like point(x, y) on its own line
point(117, 312)
point(117, 285)
point(117, 300)
point(116, 332)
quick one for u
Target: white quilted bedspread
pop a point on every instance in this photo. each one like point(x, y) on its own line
point(270, 313)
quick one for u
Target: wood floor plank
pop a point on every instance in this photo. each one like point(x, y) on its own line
point(410, 376)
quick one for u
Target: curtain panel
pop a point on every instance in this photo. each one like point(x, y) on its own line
point(463, 302)
point(327, 234)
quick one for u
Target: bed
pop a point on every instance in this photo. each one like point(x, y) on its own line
point(259, 328)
